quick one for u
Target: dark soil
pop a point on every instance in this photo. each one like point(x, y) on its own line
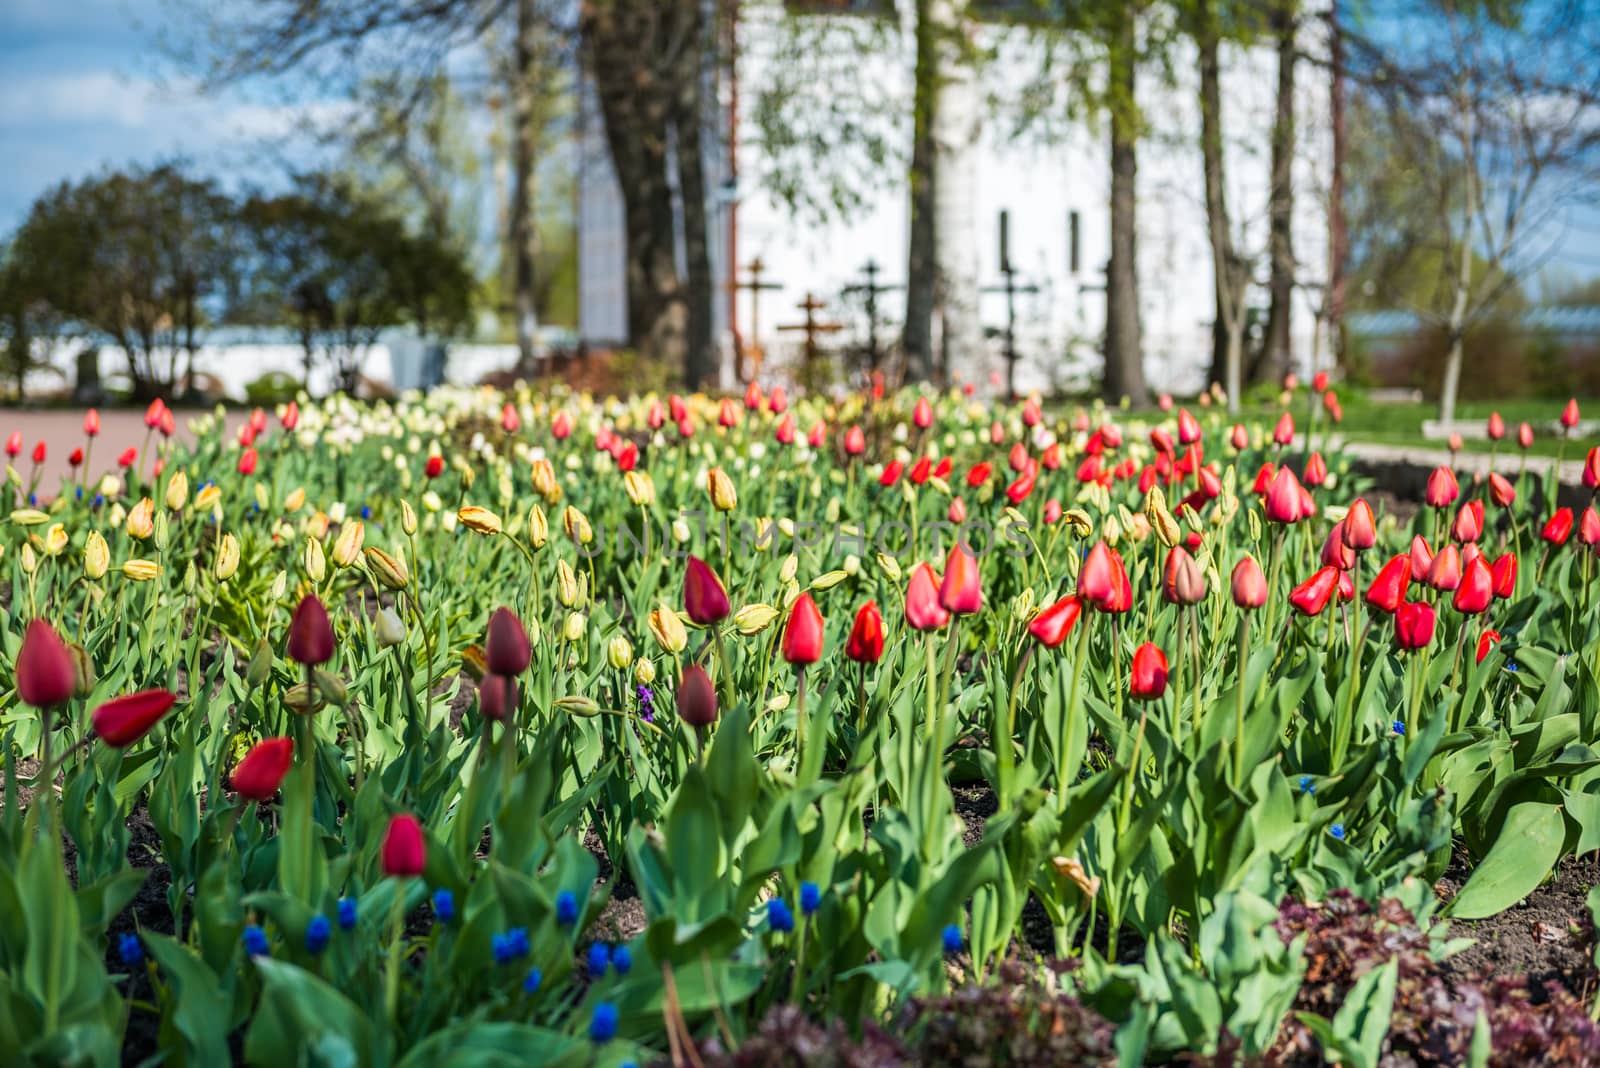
point(1549, 937)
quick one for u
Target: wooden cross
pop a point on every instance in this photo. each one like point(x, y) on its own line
point(812, 328)
point(754, 286)
point(1011, 289)
point(872, 289)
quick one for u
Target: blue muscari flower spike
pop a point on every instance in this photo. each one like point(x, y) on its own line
point(1337, 830)
point(511, 945)
point(952, 938)
point(130, 950)
point(603, 1024)
point(532, 981)
point(1399, 727)
point(622, 959)
point(779, 918)
point(80, 493)
point(366, 512)
point(33, 499)
point(317, 932)
point(599, 959)
point(99, 499)
point(1306, 785)
point(1511, 666)
point(255, 941)
point(444, 905)
point(566, 908)
point(347, 913)
point(810, 898)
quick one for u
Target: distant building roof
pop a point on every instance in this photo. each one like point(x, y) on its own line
point(1567, 320)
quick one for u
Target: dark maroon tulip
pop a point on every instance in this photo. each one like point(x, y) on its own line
point(310, 633)
point(44, 667)
point(697, 699)
point(122, 721)
point(506, 650)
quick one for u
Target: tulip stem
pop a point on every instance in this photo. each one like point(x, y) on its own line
point(724, 669)
point(1004, 748)
point(391, 975)
point(1238, 702)
point(800, 716)
point(1065, 754)
point(1194, 653)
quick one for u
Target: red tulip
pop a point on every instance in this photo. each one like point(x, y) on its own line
point(865, 643)
point(855, 441)
point(497, 697)
point(679, 410)
point(310, 634)
point(627, 457)
point(1589, 527)
point(152, 414)
point(1442, 489)
point(1313, 595)
point(1421, 558)
point(1591, 468)
point(891, 473)
point(405, 852)
point(961, 592)
point(1444, 574)
point(291, 416)
point(1283, 433)
point(685, 427)
point(1018, 491)
point(1283, 504)
point(1501, 491)
point(785, 431)
point(1569, 414)
point(777, 401)
point(958, 511)
point(1334, 550)
point(1161, 441)
point(727, 414)
point(247, 462)
point(1504, 573)
point(1486, 641)
point(655, 417)
point(168, 425)
point(1239, 437)
point(39, 453)
point(1455, 443)
point(434, 466)
point(1316, 470)
point(1019, 457)
point(1054, 622)
point(817, 436)
point(697, 698)
point(44, 667)
point(752, 397)
point(506, 650)
point(14, 444)
point(1182, 580)
point(129, 457)
point(122, 721)
point(263, 769)
point(978, 474)
point(258, 420)
point(1249, 585)
point(510, 421)
point(923, 610)
point(1469, 522)
point(1388, 590)
point(997, 433)
point(1413, 625)
point(91, 422)
point(75, 458)
point(1148, 679)
point(1559, 527)
point(921, 470)
point(1497, 427)
point(942, 469)
point(922, 414)
point(1524, 435)
point(802, 637)
point(1111, 435)
point(703, 596)
point(561, 425)
point(247, 436)
point(1476, 589)
point(1360, 531)
point(1052, 511)
point(1097, 582)
point(1188, 427)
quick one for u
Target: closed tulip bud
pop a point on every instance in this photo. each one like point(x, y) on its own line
point(507, 650)
point(1414, 624)
point(388, 628)
point(83, 673)
point(296, 501)
point(1487, 641)
point(1525, 435)
point(923, 609)
point(855, 441)
point(1054, 622)
point(704, 598)
point(1569, 414)
point(29, 517)
point(1476, 590)
point(865, 643)
point(44, 670)
point(802, 635)
point(1360, 531)
point(696, 698)
point(829, 579)
point(497, 697)
point(576, 524)
point(405, 851)
point(1558, 528)
point(390, 570)
point(1182, 580)
point(331, 687)
point(177, 491)
point(141, 520)
point(752, 619)
point(141, 570)
point(1148, 678)
point(28, 559)
point(640, 487)
point(1468, 525)
point(96, 556)
point(644, 671)
point(1312, 595)
point(619, 653)
point(922, 413)
point(479, 519)
point(227, 561)
point(720, 486)
point(1248, 585)
point(566, 584)
point(1444, 573)
point(302, 699)
point(545, 483)
point(122, 721)
point(260, 667)
point(259, 775)
point(1285, 498)
point(347, 546)
point(1589, 527)
point(1501, 491)
point(575, 626)
point(1504, 574)
point(408, 519)
point(1442, 489)
point(668, 630)
point(1388, 590)
point(313, 562)
point(310, 633)
point(1591, 469)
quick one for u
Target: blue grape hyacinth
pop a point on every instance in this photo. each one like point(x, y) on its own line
point(810, 898)
point(130, 950)
point(255, 941)
point(779, 918)
point(603, 1024)
point(622, 959)
point(599, 959)
point(317, 934)
point(532, 981)
point(566, 908)
point(952, 938)
point(444, 905)
point(347, 914)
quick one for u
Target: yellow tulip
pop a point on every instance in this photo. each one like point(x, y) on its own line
point(408, 519)
point(577, 525)
point(208, 497)
point(141, 521)
point(669, 631)
point(619, 653)
point(29, 559)
point(55, 539)
point(575, 626)
point(314, 562)
point(141, 570)
point(227, 558)
point(720, 486)
point(538, 527)
point(566, 584)
point(644, 671)
point(296, 499)
point(389, 570)
point(544, 481)
point(96, 556)
point(347, 546)
point(641, 488)
point(752, 619)
point(29, 517)
point(177, 492)
point(479, 519)
point(317, 525)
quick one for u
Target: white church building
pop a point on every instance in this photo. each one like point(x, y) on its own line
point(1050, 181)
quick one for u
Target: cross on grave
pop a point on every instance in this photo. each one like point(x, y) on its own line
point(873, 289)
point(1012, 290)
point(754, 286)
point(812, 328)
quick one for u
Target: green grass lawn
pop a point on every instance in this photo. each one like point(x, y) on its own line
point(1401, 423)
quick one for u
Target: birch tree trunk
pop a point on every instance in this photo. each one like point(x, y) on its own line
point(958, 123)
point(1124, 375)
point(1455, 328)
point(1280, 207)
point(1225, 267)
point(921, 257)
point(524, 231)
